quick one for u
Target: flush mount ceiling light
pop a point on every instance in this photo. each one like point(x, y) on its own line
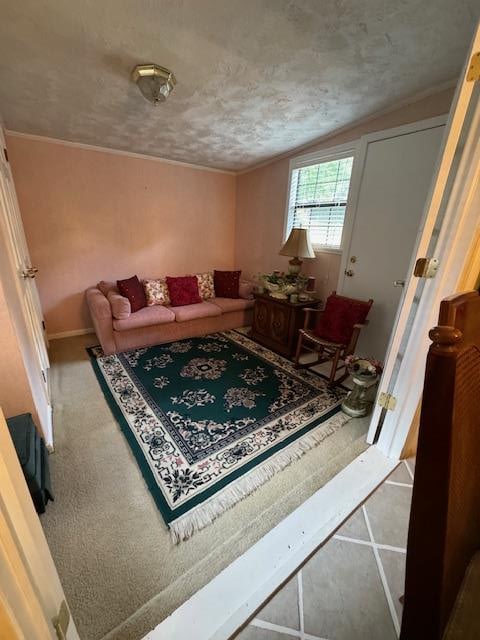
point(154, 82)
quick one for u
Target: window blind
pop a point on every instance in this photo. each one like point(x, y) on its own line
point(318, 199)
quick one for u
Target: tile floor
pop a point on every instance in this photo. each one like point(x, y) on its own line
point(350, 588)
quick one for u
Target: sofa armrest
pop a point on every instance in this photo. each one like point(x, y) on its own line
point(245, 289)
point(101, 313)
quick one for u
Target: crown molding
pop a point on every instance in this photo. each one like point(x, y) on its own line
point(450, 84)
point(116, 152)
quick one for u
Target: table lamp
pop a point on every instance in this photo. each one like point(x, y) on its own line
point(297, 246)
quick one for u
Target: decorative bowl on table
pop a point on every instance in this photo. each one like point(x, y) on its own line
point(281, 285)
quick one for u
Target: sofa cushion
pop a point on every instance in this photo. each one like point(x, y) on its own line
point(205, 285)
point(106, 286)
point(232, 304)
point(227, 283)
point(133, 289)
point(156, 292)
point(193, 311)
point(145, 317)
point(121, 308)
point(183, 290)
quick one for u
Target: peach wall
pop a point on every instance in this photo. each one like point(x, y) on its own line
point(262, 194)
point(92, 215)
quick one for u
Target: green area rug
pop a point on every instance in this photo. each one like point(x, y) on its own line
point(211, 419)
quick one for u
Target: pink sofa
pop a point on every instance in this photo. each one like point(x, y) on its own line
point(158, 323)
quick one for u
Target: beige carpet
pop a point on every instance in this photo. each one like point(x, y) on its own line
point(116, 561)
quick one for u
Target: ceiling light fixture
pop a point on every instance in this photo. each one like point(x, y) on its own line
point(155, 82)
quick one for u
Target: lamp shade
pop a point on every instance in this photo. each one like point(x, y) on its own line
point(298, 245)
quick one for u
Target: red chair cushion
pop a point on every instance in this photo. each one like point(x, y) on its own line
point(227, 284)
point(336, 322)
point(183, 290)
point(132, 289)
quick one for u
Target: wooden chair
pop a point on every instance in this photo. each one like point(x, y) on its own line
point(325, 349)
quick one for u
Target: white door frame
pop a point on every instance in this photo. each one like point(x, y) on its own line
point(30, 589)
point(27, 296)
point(455, 195)
point(357, 175)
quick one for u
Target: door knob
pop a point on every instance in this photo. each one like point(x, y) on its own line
point(29, 272)
point(349, 273)
point(399, 283)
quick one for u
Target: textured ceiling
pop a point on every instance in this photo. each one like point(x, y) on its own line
point(255, 77)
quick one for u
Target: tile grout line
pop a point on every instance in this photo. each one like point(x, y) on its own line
point(367, 543)
point(398, 484)
point(269, 626)
point(300, 604)
point(410, 472)
point(383, 577)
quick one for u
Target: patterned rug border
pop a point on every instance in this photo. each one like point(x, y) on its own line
point(202, 510)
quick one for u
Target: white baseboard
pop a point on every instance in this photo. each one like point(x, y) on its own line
point(245, 584)
point(70, 334)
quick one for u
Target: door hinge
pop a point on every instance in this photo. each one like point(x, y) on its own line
point(426, 267)
point(43, 325)
point(61, 621)
point(5, 153)
point(473, 72)
point(44, 376)
point(387, 401)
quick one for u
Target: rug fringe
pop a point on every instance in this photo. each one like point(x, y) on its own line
point(185, 526)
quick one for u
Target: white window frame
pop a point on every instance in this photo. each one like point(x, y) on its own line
point(317, 157)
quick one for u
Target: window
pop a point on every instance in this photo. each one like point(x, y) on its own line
point(318, 199)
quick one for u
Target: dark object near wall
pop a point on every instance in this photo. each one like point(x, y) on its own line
point(33, 457)
point(444, 531)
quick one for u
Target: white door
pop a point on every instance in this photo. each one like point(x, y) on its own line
point(396, 175)
point(31, 595)
point(450, 232)
point(26, 287)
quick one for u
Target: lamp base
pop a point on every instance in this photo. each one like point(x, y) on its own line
point(295, 266)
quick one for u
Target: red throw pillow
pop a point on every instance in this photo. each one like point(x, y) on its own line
point(336, 322)
point(183, 290)
point(227, 284)
point(132, 289)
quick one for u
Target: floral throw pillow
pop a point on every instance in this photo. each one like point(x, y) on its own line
point(206, 288)
point(156, 292)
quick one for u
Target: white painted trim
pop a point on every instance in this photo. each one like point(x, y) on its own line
point(317, 157)
point(70, 334)
point(245, 584)
point(352, 125)
point(116, 152)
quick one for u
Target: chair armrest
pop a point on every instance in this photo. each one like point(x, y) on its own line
point(101, 313)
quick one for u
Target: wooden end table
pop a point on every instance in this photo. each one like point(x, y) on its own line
point(276, 322)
